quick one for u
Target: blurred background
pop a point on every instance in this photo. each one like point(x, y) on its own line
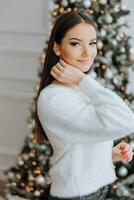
point(24, 30)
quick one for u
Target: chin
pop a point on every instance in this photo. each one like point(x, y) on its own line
point(86, 69)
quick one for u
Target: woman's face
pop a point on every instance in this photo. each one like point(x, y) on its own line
point(78, 47)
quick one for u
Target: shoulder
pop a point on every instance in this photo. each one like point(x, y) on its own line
point(57, 98)
point(53, 91)
point(55, 94)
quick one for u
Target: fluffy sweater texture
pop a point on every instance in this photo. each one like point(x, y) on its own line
point(81, 123)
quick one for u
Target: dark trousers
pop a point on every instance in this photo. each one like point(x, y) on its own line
point(101, 194)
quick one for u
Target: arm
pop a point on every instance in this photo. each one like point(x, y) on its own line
point(104, 117)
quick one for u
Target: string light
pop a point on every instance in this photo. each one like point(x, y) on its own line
point(91, 11)
point(31, 136)
point(114, 186)
point(102, 11)
point(122, 88)
point(100, 53)
point(122, 35)
point(33, 151)
point(116, 178)
point(103, 66)
point(41, 190)
point(29, 125)
point(22, 184)
point(42, 58)
point(37, 171)
point(75, 9)
point(34, 163)
point(34, 141)
point(122, 74)
point(18, 176)
point(54, 13)
point(109, 25)
point(61, 9)
point(14, 184)
point(69, 9)
point(27, 188)
point(97, 64)
point(126, 100)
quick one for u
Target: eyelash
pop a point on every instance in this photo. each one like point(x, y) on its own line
point(75, 43)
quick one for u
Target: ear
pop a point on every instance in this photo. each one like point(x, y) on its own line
point(56, 49)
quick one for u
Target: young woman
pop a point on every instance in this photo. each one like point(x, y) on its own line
point(80, 117)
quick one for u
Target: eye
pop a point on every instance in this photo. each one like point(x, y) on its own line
point(93, 43)
point(74, 43)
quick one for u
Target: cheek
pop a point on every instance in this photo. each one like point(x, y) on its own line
point(95, 52)
point(69, 53)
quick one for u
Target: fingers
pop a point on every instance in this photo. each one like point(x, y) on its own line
point(60, 67)
point(53, 74)
point(63, 63)
point(129, 155)
point(122, 152)
point(57, 71)
point(126, 151)
point(124, 146)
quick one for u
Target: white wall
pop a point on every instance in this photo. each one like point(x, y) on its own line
point(23, 31)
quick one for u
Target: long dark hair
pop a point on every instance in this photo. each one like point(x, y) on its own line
point(63, 24)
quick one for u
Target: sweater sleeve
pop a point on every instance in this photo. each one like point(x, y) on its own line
point(105, 117)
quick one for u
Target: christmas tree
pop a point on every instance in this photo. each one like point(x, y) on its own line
point(30, 177)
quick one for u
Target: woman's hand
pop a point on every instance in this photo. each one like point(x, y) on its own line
point(122, 152)
point(66, 73)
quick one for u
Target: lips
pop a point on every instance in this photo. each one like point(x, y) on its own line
point(85, 61)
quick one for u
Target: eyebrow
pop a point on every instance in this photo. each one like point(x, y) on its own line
point(81, 40)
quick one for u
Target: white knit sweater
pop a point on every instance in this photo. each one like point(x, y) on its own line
point(81, 123)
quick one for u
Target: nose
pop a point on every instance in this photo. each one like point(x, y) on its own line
point(86, 51)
